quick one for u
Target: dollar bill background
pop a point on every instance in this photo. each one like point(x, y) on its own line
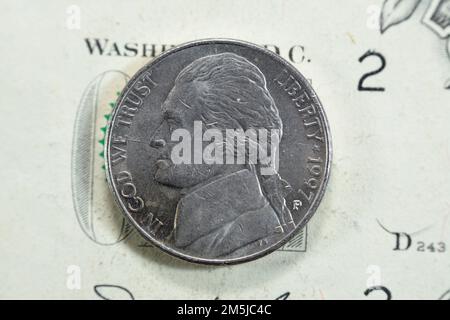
point(382, 230)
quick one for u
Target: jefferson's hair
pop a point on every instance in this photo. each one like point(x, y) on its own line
point(232, 91)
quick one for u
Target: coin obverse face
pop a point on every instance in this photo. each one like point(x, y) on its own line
point(218, 151)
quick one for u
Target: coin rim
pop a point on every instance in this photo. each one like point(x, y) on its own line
point(171, 251)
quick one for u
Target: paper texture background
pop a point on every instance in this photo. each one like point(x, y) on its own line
point(390, 164)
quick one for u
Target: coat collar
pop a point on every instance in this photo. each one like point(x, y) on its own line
point(216, 203)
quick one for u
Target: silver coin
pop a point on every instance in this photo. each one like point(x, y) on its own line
point(218, 151)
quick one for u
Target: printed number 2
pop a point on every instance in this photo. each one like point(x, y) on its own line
point(370, 53)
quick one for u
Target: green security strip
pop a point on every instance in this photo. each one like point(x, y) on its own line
point(103, 129)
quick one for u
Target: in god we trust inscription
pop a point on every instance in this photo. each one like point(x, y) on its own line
point(218, 151)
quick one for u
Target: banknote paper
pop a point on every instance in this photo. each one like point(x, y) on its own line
point(382, 71)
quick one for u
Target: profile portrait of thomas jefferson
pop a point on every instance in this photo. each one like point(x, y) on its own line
point(226, 210)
